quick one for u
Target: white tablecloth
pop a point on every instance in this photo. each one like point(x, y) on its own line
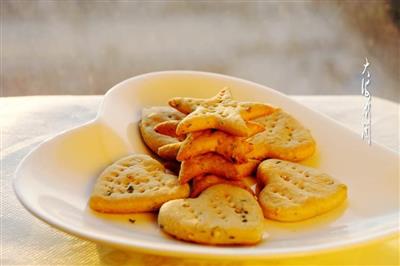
point(26, 121)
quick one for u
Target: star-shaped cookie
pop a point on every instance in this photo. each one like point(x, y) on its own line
point(211, 163)
point(219, 112)
point(233, 148)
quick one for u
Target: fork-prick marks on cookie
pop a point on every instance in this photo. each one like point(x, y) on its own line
point(284, 138)
point(294, 192)
point(136, 183)
point(222, 214)
point(219, 112)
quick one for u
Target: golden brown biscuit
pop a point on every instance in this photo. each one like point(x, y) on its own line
point(136, 183)
point(283, 138)
point(211, 163)
point(294, 192)
point(153, 116)
point(201, 183)
point(233, 148)
point(168, 128)
point(169, 151)
point(219, 112)
point(222, 214)
point(196, 143)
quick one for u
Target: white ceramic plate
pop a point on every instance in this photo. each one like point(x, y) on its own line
point(55, 180)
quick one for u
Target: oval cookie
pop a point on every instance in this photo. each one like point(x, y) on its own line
point(153, 116)
point(222, 214)
point(136, 183)
point(294, 192)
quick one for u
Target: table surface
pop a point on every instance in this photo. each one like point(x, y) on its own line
point(27, 121)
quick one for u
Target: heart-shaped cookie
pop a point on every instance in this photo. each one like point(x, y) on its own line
point(136, 183)
point(294, 192)
point(222, 214)
point(283, 138)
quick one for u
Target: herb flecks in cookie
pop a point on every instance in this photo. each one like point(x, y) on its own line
point(219, 112)
point(136, 183)
point(233, 148)
point(294, 192)
point(283, 138)
point(211, 163)
point(222, 214)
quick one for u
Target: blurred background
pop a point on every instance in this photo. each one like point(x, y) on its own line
point(297, 47)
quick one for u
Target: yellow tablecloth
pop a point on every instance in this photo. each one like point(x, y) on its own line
point(26, 121)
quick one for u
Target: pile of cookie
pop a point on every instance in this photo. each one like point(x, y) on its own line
point(225, 166)
point(214, 149)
